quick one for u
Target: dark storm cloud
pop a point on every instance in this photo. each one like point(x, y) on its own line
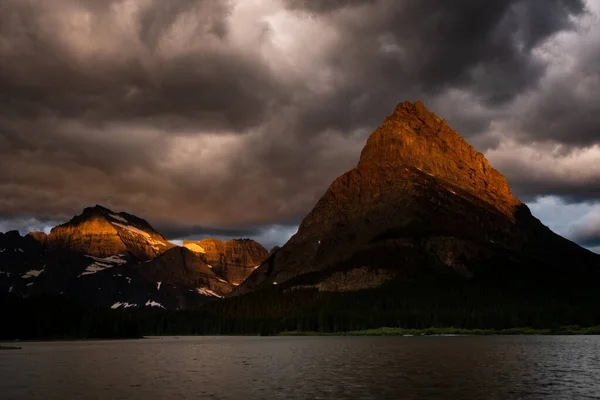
point(568, 111)
point(202, 113)
point(213, 87)
point(155, 20)
point(407, 49)
point(528, 188)
point(269, 235)
point(321, 6)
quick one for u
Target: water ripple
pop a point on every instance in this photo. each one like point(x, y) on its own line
point(306, 368)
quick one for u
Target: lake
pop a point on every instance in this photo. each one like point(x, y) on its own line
point(509, 367)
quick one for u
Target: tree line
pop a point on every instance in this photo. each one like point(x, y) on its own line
point(438, 301)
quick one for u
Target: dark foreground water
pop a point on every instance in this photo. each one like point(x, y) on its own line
point(524, 367)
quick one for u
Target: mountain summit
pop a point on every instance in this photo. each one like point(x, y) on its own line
point(421, 201)
point(415, 137)
point(100, 232)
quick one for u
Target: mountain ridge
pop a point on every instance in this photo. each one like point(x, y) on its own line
point(117, 260)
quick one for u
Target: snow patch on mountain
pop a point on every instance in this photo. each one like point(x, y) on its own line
point(34, 273)
point(155, 244)
point(110, 259)
point(122, 305)
point(118, 218)
point(100, 264)
point(94, 268)
point(151, 303)
point(207, 292)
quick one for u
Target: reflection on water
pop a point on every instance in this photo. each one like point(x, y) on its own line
point(306, 368)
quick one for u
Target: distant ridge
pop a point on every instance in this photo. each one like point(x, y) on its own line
point(234, 259)
point(117, 260)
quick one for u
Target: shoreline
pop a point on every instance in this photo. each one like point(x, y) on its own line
point(10, 348)
point(385, 331)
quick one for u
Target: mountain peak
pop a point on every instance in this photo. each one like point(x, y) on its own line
point(99, 208)
point(110, 216)
point(91, 212)
point(414, 137)
point(419, 188)
point(100, 232)
point(417, 108)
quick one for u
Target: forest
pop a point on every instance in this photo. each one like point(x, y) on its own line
point(436, 301)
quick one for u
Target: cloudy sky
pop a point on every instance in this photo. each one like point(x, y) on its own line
point(231, 118)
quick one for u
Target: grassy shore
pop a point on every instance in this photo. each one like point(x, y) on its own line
point(564, 330)
point(9, 348)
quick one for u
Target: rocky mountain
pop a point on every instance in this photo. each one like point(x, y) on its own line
point(100, 232)
point(118, 260)
point(233, 259)
point(423, 204)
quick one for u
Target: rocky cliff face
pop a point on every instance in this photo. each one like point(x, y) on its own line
point(420, 196)
point(415, 137)
point(233, 259)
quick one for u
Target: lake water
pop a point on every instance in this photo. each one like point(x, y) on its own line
point(522, 367)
